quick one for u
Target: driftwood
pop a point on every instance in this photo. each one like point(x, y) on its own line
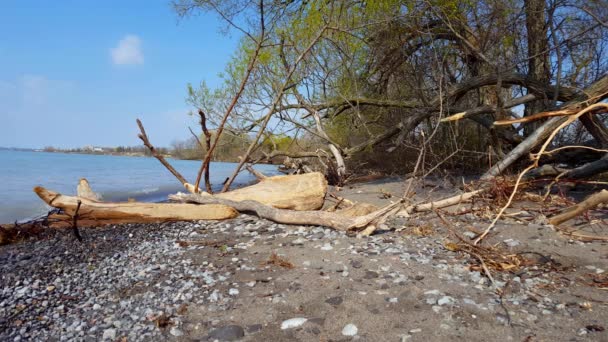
point(83, 190)
point(333, 220)
point(99, 213)
point(575, 210)
point(295, 192)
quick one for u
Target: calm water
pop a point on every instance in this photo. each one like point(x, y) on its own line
point(116, 178)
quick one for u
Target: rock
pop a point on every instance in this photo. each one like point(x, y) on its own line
point(298, 242)
point(432, 293)
point(252, 329)
point(176, 332)
point(445, 300)
point(96, 306)
point(370, 275)
point(356, 264)
point(233, 292)
point(327, 247)
point(350, 330)
point(293, 323)
point(335, 301)
point(511, 242)
point(109, 334)
point(227, 333)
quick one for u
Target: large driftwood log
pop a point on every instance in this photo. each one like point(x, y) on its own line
point(99, 213)
point(333, 220)
point(294, 192)
point(575, 210)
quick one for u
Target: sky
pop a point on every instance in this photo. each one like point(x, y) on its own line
point(76, 73)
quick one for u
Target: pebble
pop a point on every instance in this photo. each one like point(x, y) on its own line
point(445, 300)
point(293, 323)
point(138, 288)
point(327, 247)
point(176, 332)
point(227, 333)
point(350, 330)
point(109, 334)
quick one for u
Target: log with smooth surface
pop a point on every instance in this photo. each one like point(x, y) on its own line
point(97, 213)
point(294, 192)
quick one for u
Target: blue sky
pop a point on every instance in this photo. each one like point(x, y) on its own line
point(75, 73)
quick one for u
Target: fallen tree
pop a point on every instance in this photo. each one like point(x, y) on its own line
point(336, 220)
point(94, 213)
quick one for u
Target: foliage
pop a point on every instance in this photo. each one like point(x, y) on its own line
point(405, 51)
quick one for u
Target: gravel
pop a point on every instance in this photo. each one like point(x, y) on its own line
point(138, 282)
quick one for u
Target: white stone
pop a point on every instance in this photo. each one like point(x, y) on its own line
point(350, 330)
point(233, 292)
point(327, 247)
point(176, 332)
point(445, 300)
point(109, 334)
point(293, 323)
point(432, 293)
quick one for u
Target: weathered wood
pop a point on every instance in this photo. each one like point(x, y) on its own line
point(334, 220)
point(307, 217)
point(577, 209)
point(98, 213)
point(84, 190)
point(294, 192)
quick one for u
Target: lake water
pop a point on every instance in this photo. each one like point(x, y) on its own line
point(117, 178)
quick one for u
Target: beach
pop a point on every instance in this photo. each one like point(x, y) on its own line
point(251, 279)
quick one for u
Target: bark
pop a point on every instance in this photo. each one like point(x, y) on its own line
point(588, 170)
point(538, 56)
point(596, 128)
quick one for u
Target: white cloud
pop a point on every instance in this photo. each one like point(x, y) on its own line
point(128, 51)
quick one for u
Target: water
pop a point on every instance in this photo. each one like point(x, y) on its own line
point(117, 178)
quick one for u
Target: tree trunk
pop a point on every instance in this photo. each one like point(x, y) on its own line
point(538, 56)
